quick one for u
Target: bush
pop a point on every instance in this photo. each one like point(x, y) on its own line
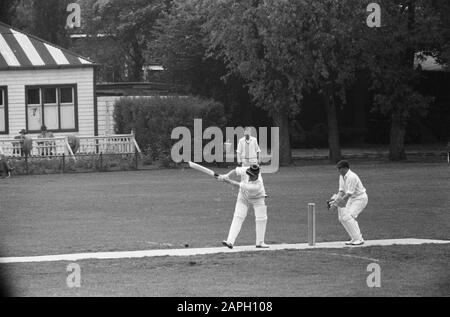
point(147, 159)
point(83, 163)
point(36, 166)
point(153, 119)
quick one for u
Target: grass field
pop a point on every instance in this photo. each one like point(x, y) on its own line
point(126, 211)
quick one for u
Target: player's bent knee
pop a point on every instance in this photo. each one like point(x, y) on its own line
point(347, 217)
point(341, 213)
point(354, 212)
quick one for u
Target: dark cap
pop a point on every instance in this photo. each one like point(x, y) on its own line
point(22, 131)
point(343, 164)
point(253, 170)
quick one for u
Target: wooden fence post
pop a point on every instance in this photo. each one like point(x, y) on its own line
point(136, 162)
point(26, 163)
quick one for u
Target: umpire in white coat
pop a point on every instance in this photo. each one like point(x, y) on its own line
point(248, 150)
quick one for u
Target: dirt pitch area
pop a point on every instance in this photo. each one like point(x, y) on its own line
point(127, 211)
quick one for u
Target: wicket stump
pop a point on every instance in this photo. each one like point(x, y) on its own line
point(311, 224)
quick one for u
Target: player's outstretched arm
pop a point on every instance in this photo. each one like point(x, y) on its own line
point(232, 182)
point(227, 176)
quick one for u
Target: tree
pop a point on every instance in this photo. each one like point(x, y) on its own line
point(411, 29)
point(116, 35)
point(235, 35)
point(285, 48)
point(49, 21)
point(125, 29)
point(318, 45)
point(43, 18)
point(7, 8)
point(99, 46)
point(181, 45)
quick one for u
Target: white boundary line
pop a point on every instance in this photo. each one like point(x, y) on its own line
point(204, 251)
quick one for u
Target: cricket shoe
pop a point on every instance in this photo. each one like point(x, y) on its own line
point(357, 242)
point(226, 244)
point(262, 246)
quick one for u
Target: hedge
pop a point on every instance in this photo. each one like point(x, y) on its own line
point(83, 163)
point(153, 118)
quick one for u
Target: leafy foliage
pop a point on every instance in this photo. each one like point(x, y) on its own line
point(7, 8)
point(181, 46)
point(412, 30)
point(279, 49)
point(43, 18)
point(409, 27)
point(153, 119)
point(286, 48)
point(118, 33)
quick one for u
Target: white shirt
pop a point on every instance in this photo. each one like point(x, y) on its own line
point(351, 184)
point(248, 189)
point(247, 151)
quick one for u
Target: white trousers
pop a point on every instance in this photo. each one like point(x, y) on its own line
point(240, 213)
point(347, 216)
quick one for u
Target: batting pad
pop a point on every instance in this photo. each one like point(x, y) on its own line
point(260, 212)
point(260, 231)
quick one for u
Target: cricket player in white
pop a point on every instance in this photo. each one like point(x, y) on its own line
point(248, 150)
point(251, 193)
point(350, 202)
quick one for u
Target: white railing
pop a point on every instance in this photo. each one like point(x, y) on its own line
point(110, 144)
point(58, 146)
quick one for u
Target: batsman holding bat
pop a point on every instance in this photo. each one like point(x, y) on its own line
point(251, 194)
point(349, 202)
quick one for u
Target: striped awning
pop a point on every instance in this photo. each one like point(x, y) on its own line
point(19, 50)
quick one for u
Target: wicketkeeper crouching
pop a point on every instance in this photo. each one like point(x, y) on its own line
point(349, 202)
point(251, 193)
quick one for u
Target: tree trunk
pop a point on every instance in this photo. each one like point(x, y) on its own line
point(333, 128)
point(281, 120)
point(398, 129)
point(397, 139)
point(360, 94)
point(136, 63)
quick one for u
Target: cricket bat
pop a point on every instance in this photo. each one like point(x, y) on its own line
point(202, 169)
point(209, 172)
